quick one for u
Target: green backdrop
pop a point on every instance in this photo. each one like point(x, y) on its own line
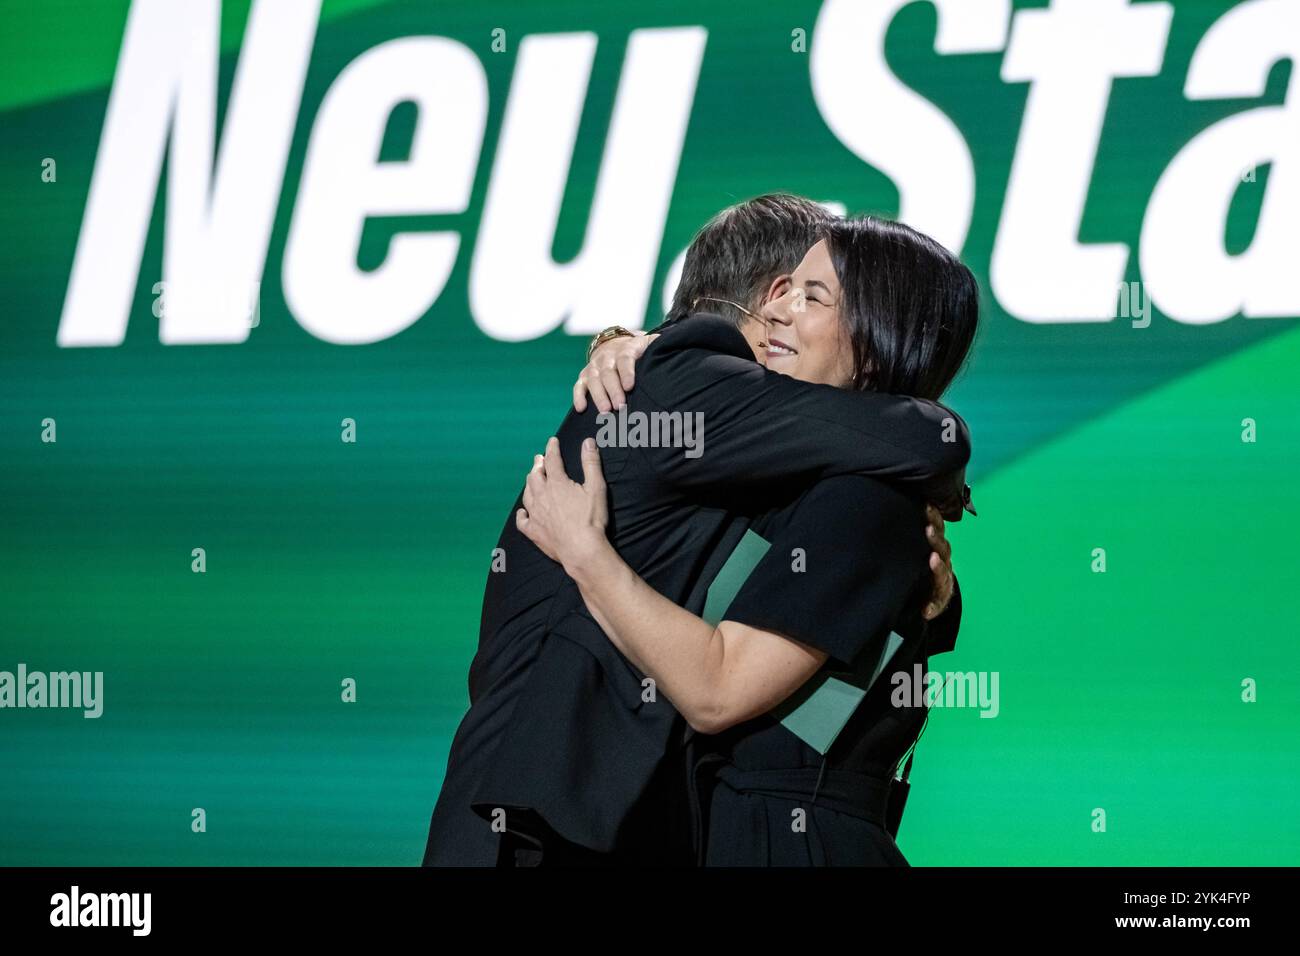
point(325, 560)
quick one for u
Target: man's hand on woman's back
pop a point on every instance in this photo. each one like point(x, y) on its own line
point(940, 565)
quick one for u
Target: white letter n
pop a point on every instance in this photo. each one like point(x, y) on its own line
point(218, 216)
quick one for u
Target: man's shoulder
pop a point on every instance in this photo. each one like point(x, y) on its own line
point(702, 330)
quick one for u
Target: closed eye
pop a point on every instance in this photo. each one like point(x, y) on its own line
point(814, 285)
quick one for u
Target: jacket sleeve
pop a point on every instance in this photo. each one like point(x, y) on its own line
point(754, 426)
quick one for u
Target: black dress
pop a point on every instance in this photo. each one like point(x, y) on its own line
point(764, 796)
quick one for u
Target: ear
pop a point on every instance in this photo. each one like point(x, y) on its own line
point(779, 287)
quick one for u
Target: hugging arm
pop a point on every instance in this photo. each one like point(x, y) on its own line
point(720, 676)
point(610, 372)
point(716, 677)
point(756, 426)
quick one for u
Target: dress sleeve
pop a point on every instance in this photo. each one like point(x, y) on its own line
point(843, 571)
point(755, 426)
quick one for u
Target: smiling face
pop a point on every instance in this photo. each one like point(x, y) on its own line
point(806, 338)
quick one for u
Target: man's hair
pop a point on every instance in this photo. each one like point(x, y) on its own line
point(740, 251)
point(910, 306)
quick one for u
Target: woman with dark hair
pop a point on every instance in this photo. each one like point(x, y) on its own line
point(797, 734)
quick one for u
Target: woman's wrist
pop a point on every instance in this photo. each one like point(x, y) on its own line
point(587, 555)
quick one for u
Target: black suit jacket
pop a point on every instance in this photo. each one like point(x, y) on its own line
point(562, 738)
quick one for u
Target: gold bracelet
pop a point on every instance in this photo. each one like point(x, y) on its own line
point(603, 336)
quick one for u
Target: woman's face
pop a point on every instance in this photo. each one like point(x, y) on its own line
point(805, 337)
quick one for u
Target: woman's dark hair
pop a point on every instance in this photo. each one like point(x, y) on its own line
point(910, 306)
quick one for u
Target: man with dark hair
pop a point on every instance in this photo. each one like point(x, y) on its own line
point(743, 248)
point(567, 753)
point(728, 270)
